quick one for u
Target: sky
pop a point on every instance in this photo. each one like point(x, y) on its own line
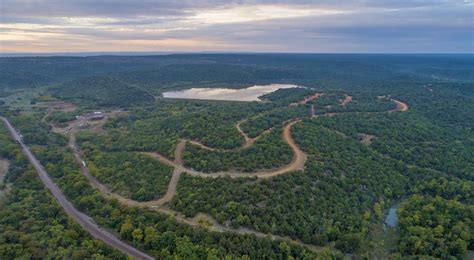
point(360, 26)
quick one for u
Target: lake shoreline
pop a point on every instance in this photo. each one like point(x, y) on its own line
point(248, 94)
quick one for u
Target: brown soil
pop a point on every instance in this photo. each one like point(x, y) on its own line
point(310, 98)
point(366, 138)
point(297, 164)
point(401, 107)
point(248, 141)
point(347, 100)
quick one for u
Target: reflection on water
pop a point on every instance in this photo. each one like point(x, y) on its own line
point(391, 220)
point(245, 94)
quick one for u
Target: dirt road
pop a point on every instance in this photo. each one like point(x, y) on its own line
point(249, 141)
point(310, 98)
point(297, 163)
point(201, 219)
point(172, 186)
point(347, 100)
point(85, 221)
point(401, 107)
point(160, 205)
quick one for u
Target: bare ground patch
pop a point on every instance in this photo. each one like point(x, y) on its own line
point(310, 98)
point(366, 138)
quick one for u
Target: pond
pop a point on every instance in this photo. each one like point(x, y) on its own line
point(391, 220)
point(228, 94)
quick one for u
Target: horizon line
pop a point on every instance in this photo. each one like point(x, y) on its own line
point(164, 53)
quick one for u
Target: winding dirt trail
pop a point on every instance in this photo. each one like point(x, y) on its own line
point(204, 220)
point(309, 98)
point(201, 219)
point(297, 163)
point(401, 107)
point(248, 141)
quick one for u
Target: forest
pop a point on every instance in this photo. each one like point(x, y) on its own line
point(433, 226)
point(32, 225)
point(154, 232)
point(362, 156)
point(267, 152)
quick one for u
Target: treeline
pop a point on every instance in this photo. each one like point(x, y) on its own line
point(287, 96)
point(125, 81)
point(132, 88)
point(103, 91)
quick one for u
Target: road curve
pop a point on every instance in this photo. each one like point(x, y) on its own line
point(297, 163)
point(81, 218)
point(401, 106)
point(159, 205)
point(249, 141)
point(200, 220)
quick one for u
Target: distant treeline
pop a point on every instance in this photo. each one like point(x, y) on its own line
point(124, 81)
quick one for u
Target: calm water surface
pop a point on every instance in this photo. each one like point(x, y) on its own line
point(245, 94)
point(391, 220)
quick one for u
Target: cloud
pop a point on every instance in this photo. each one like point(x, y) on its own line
point(251, 13)
point(287, 26)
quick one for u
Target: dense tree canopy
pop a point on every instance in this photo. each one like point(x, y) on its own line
point(421, 159)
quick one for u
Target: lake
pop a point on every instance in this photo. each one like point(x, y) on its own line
point(228, 94)
point(391, 220)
